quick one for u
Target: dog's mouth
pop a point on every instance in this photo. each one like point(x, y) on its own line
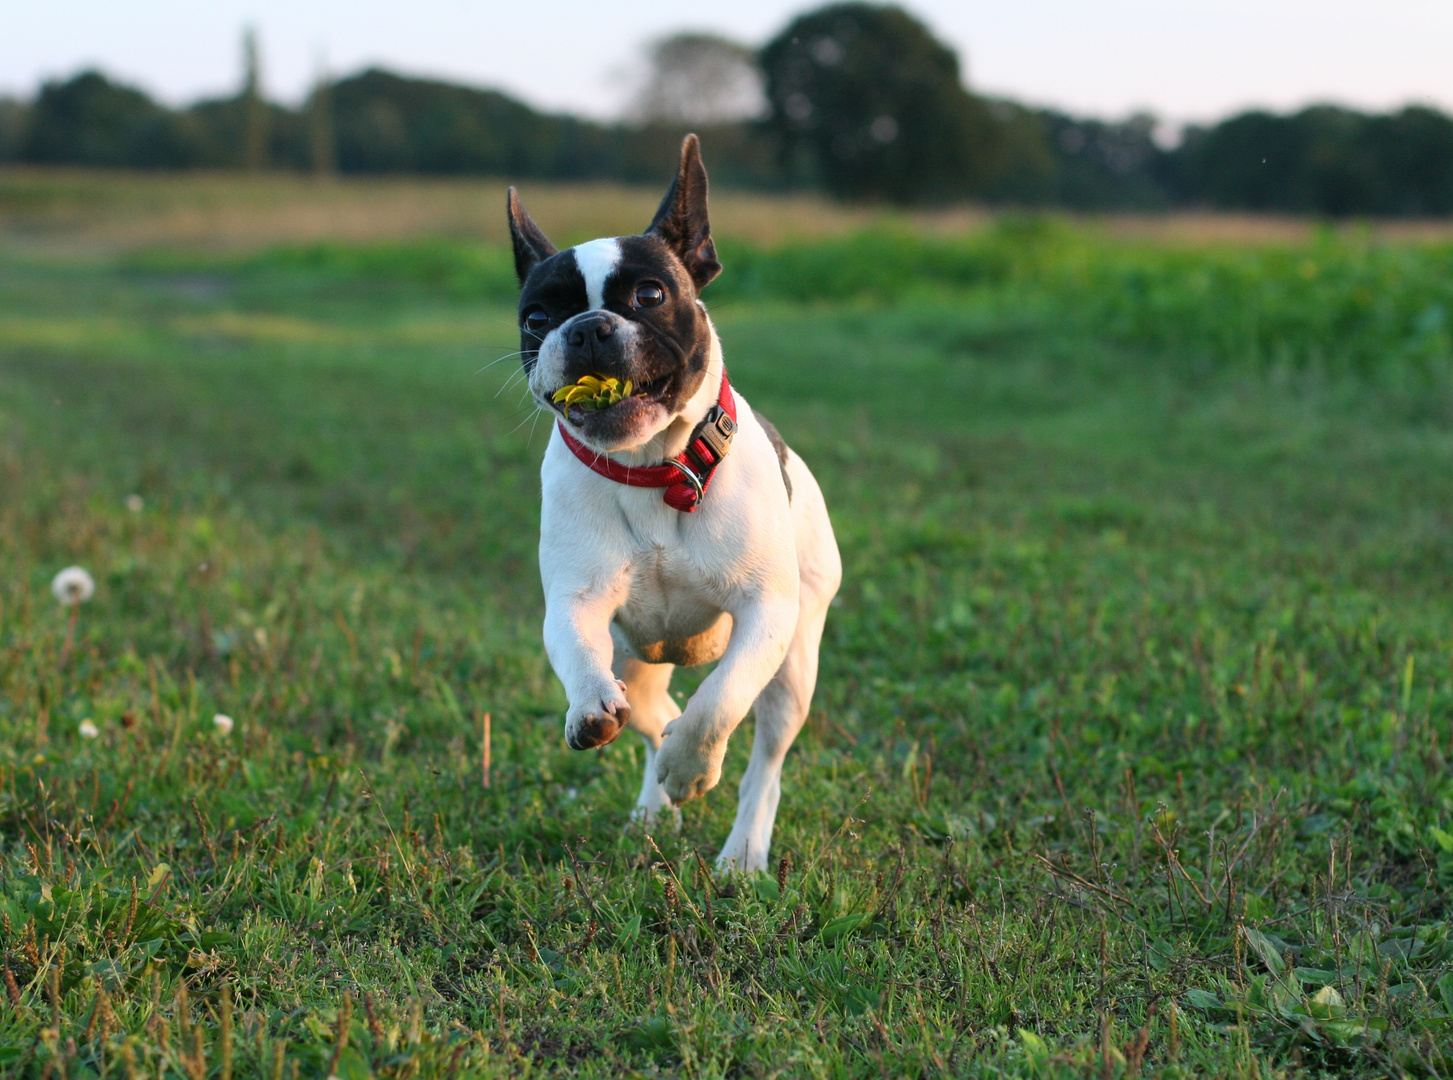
point(652, 392)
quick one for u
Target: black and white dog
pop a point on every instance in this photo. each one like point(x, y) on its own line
point(677, 527)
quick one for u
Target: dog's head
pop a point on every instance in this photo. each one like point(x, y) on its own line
point(625, 308)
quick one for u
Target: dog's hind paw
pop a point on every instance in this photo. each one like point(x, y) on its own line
point(600, 720)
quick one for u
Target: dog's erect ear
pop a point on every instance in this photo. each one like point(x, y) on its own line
point(682, 220)
point(531, 245)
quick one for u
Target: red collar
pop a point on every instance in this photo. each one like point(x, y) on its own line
point(686, 476)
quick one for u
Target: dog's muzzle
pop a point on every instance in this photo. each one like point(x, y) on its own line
point(594, 345)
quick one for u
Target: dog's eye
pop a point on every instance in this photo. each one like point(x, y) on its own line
point(649, 294)
point(536, 320)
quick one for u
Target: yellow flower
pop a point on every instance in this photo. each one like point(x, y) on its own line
point(593, 392)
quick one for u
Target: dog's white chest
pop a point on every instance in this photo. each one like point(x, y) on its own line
point(672, 613)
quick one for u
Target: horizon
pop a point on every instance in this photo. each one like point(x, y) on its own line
point(1121, 59)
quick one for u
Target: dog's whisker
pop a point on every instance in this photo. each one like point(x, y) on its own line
point(524, 420)
point(514, 375)
point(500, 360)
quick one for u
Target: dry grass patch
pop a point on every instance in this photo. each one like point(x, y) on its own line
point(77, 210)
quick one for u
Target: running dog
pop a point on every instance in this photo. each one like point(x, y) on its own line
point(677, 528)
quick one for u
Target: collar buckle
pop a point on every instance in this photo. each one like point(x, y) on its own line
point(716, 432)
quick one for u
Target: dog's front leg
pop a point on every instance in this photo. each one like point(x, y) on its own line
point(689, 761)
point(578, 641)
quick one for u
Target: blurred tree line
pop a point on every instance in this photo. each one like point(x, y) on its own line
point(855, 99)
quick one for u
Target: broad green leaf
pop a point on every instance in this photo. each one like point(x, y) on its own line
point(844, 925)
point(1257, 907)
point(352, 1065)
point(1445, 991)
point(1160, 954)
point(1035, 1048)
point(858, 999)
point(765, 888)
point(652, 1033)
point(1327, 1004)
point(629, 930)
point(1265, 948)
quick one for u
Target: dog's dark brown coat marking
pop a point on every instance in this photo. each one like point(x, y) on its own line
point(779, 445)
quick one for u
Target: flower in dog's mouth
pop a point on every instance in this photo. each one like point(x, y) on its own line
point(593, 392)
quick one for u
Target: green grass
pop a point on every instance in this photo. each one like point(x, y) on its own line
point(1343, 303)
point(1131, 737)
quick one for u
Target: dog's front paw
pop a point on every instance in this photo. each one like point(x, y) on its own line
point(686, 766)
point(599, 718)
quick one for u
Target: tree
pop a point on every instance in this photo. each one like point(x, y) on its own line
point(868, 103)
point(1414, 149)
point(90, 120)
point(699, 79)
point(322, 146)
point(1106, 165)
point(257, 153)
point(14, 121)
point(391, 124)
point(1324, 160)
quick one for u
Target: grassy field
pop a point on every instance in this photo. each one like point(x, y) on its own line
point(1129, 755)
point(80, 210)
point(74, 210)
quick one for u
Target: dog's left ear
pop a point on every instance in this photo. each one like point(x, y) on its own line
point(682, 220)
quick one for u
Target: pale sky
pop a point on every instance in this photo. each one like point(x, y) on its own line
point(1185, 60)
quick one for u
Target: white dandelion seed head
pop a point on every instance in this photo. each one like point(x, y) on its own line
point(135, 503)
point(223, 723)
point(73, 586)
point(88, 730)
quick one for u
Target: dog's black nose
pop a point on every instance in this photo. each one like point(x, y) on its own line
point(601, 326)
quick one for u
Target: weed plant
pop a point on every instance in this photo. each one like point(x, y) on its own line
point(1130, 749)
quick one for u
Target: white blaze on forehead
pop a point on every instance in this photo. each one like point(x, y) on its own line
point(596, 260)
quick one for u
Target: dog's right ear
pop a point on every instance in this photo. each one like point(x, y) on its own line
point(531, 245)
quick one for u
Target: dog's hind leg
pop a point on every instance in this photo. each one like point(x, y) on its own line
point(648, 690)
point(781, 708)
point(780, 711)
